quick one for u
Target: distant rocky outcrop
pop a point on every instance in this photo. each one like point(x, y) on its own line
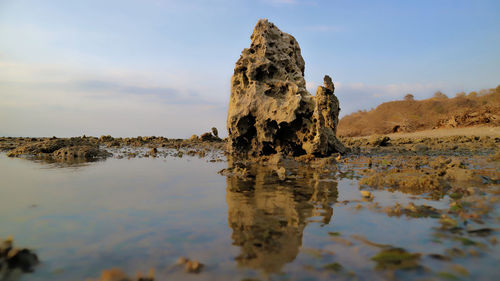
point(61, 149)
point(410, 115)
point(270, 110)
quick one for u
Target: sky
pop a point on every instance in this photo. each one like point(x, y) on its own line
point(162, 67)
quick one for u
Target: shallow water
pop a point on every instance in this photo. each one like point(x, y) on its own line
point(143, 213)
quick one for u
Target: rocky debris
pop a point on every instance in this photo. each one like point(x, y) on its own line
point(209, 137)
point(380, 140)
point(190, 266)
point(62, 149)
point(413, 182)
point(106, 138)
point(396, 258)
point(429, 146)
point(495, 157)
point(486, 115)
point(215, 132)
point(366, 194)
point(237, 170)
point(212, 136)
point(412, 210)
point(270, 110)
point(13, 258)
point(113, 143)
point(435, 176)
point(116, 274)
point(153, 151)
point(37, 148)
point(79, 151)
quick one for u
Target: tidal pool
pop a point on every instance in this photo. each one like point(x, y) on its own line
point(144, 213)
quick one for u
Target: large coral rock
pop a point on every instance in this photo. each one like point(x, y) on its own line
point(270, 110)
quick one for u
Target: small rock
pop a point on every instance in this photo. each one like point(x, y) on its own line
point(394, 211)
point(215, 132)
point(281, 173)
point(493, 240)
point(193, 266)
point(113, 274)
point(380, 141)
point(366, 194)
point(206, 136)
point(22, 259)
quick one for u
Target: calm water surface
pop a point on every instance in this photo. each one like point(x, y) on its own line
point(142, 213)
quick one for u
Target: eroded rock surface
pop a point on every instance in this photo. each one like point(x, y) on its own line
point(270, 110)
point(61, 149)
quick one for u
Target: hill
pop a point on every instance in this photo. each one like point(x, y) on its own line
point(409, 115)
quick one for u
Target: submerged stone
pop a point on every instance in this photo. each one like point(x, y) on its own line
point(396, 258)
point(270, 110)
point(12, 259)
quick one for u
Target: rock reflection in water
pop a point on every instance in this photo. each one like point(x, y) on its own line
point(268, 214)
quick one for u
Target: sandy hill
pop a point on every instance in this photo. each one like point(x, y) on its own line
point(411, 115)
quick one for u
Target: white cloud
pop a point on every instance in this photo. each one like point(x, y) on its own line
point(46, 100)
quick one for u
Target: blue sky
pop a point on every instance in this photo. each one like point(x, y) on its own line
point(162, 67)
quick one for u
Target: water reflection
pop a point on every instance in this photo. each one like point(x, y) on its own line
point(49, 162)
point(268, 214)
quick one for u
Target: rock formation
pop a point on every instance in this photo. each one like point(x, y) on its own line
point(61, 149)
point(270, 110)
point(12, 259)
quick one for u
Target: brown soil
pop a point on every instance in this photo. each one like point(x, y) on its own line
point(415, 115)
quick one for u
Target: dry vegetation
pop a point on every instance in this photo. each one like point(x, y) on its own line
point(411, 115)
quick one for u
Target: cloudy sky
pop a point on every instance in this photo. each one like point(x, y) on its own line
point(162, 67)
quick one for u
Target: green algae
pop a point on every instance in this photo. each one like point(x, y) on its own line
point(447, 276)
point(396, 258)
point(467, 241)
point(337, 267)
